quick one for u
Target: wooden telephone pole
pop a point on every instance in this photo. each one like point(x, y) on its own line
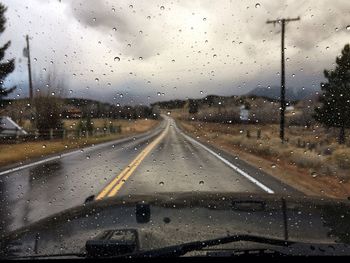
point(29, 70)
point(282, 21)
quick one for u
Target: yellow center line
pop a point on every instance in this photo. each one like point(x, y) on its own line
point(113, 187)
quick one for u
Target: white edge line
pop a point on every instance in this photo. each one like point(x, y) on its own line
point(38, 162)
point(69, 153)
point(253, 180)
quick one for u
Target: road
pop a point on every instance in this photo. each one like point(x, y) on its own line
point(162, 160)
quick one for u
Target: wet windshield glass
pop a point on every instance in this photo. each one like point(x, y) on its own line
point(122, 99)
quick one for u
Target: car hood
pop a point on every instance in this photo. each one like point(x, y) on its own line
point(173, 218)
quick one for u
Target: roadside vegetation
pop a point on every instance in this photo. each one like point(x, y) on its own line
point(313, 167)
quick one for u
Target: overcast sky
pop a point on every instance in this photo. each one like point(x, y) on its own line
point(152, 50)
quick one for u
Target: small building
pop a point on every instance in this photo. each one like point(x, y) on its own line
point(74, 113)
point(9, 128)
point(243, 113)
point(290, 108)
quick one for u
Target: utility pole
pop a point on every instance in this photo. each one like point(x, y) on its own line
point(282, 21)
point(27, 54)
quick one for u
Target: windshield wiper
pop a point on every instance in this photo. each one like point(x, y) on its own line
point(182, 249)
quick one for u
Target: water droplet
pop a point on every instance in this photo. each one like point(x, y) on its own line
point(273, 165)
point(131, 6)
point(140, 58)
point(114, 29)
point(97, 79)
point(204, 19)
point(70, 91)
point(162, 8)
point(257, 5)
point(348, 27)
point(117, 59)
point(44, 146)
point(148, 17)
point(35, 59)
point(94, 19)
point(53, 93)
point(214, 56)
point(161, 183)
point(87, 157)
point(201, 182)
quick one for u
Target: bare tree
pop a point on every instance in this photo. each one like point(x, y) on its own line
point(48, 103)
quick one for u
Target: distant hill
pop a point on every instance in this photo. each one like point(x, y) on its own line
point(292, 93)
point(211, 101)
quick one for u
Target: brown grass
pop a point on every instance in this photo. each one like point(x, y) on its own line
point(20, 152)
point(306, 170)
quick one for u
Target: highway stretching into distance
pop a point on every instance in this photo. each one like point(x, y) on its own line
point(162, 160)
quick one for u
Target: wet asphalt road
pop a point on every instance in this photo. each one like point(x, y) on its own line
point(175, 164)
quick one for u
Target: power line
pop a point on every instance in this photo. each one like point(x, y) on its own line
point(282, 21)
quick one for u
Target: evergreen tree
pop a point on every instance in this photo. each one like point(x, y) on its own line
point(193, 107)
point(8, 66)
point(335, 99)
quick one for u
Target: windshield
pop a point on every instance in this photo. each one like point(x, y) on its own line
point(113, 99)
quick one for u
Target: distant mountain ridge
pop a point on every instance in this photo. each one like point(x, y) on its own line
point(292, 93)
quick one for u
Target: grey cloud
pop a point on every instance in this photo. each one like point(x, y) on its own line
point(319, 20)
point(104, 16)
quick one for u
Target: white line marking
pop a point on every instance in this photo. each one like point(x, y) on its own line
point(38, 162)
point(253, 180)
point(101, 145)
